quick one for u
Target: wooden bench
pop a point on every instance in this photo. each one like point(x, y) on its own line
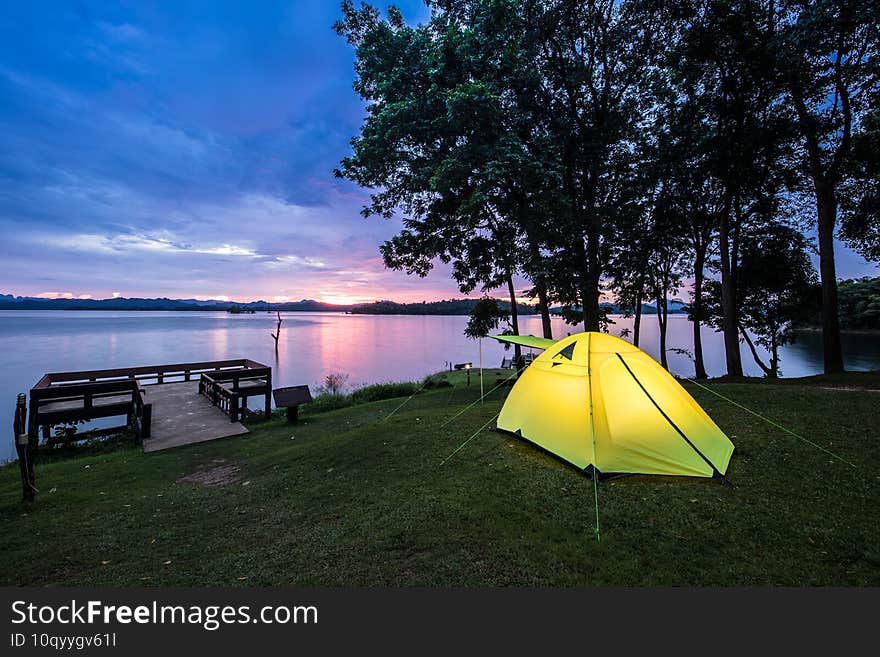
point(76, 402)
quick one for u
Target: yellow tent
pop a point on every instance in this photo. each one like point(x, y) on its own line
point(602, 404)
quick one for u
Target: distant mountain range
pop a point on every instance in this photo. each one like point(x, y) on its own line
point(675, 307)
point(444, 307)
point(9, 302)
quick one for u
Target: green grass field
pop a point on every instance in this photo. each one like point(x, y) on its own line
point(348, 497)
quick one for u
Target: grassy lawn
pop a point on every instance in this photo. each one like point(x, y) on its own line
point(348, 497)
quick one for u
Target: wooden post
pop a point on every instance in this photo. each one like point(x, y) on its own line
point(292, 414)
point(146, 421)
point(233, 408)
point(269, 394)
point(33, 427)
point(277, 333)
point(24, 450)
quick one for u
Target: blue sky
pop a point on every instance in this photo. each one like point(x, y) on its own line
point(186, 149)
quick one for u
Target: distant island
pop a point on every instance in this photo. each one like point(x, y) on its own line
point(443, 307)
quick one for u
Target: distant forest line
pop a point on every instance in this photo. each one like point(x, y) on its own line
point(384, 307)
point(859, 306)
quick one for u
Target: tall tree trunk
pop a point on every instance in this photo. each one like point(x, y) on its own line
point(662, 337)
point(637, 321)
point(662, 318)
point(592, 274)
point(729, 323)
point(590, 298)
point(826, 206)
point(514, 320)
point(826, 210)
point(544, 309)
point(697, 310)
point(751, 345)
point(774, 357)
point(540, 280)
point(588, 288)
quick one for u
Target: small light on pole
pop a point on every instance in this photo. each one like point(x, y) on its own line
point(481, 371)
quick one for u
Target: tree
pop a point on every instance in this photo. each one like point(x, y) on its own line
point(630, 274)
point(695, 194)
point(486, 316)
point(827, 54)
point(860, 200)
point(860, 303)
point(675, 231)
point(727, 56)
point(665, 266)
point(446, 144)
point(591, 56)
point(776, 291)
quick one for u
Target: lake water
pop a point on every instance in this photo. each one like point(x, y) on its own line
point(369, 348)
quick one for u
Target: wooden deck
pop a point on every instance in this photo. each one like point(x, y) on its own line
point(181, 416)
point(164, 405)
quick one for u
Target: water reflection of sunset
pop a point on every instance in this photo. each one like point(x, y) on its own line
point(220, 344)
point(344, 299)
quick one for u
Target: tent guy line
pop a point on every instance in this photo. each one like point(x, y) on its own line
point(474, 435)
point(771, 422)
point(482, 397)
point(403, 403)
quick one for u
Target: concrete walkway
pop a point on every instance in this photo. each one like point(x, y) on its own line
point(181, 416)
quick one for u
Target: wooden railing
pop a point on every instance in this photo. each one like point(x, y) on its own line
point(60, 397)
point(148, 373)
point(229, 390)
point(59, 404)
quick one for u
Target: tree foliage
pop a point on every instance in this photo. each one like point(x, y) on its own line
point(486, 316)
point(624, 148)
point(776, 291)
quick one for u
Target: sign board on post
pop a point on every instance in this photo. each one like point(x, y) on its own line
point(291, 398)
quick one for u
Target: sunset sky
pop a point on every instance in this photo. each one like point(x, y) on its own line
point(186, 149)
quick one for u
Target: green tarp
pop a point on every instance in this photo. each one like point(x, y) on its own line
point(525, 340)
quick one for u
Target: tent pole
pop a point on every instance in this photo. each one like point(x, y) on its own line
point(481, 371)
point(593, 433)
